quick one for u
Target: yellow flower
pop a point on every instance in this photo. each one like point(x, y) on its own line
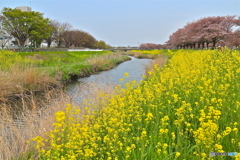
point(177, 154)
point(60, 116)
point(88, 152)
point(128, 149)
point(149, 116)
point(235, 129)
point(159, 151)
point(203, 155)
point(133, 146)
point(161, 131)
point(126, 74)
point(165, 145)
point(144, 133)
point(218, 147)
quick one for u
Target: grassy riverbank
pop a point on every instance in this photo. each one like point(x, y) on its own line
point(31, 72)
point(184, 110)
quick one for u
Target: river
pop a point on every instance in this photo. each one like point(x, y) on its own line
point(86, 88)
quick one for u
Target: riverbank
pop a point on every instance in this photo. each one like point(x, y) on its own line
point(26, 72)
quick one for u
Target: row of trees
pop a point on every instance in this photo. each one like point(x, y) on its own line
point(63, 34)
point(207, 32)
point(150, 46)
point(32, 27)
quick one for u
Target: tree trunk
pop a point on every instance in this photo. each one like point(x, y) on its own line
point(199, 45)
point(21, 40)
point(214, 41)
point(203, 45)
point(49, 43)
point(59, 43)
point(21, 43)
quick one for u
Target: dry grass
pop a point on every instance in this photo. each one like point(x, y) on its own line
point(25, 95)
point(16, 127)
point(158, 59)
point(20, 80)
point(161, 60)
point(19, 126)
point(141, 55)
point(105, 62)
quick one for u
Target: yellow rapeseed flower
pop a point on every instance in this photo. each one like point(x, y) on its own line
point(177, 154)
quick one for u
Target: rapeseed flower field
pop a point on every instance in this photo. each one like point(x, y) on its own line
point(184, 110)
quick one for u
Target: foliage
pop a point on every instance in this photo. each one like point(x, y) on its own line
point(205, 31)
point(23, 25)
point(184, 110)
point(101, 45)
point(77, 38)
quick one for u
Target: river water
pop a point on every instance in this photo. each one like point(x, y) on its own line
point(85, 88)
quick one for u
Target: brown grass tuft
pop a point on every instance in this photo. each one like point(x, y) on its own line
point(21, 80)
point(18, 126)
point(161, 60)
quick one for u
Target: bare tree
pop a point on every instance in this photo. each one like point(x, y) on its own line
point(63, 27)
point(54, 24)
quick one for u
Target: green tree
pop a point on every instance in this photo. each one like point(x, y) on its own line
point(24, 25)
point(101, 45)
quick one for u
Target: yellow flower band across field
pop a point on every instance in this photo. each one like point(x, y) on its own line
point(184, 110)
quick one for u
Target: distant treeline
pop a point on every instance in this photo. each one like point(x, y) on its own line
point(209, 32)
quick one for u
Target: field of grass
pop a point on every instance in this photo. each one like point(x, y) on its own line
point(183, 110)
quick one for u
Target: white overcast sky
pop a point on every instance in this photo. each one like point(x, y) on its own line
point(129, 22)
